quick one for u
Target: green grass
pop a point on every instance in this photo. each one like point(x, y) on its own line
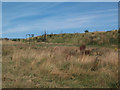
point(107, 39)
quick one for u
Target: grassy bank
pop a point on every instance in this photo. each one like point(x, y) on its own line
point(49, 67)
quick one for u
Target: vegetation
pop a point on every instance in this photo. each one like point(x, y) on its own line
point(109, 38)
point(57, 63)
point(32, 66)
point(86, 31)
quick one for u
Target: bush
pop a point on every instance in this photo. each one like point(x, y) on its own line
point(14, 40)
point(86, 31)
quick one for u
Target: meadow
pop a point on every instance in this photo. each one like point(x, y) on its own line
point(58, 65)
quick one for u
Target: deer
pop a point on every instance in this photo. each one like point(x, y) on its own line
point(87, 52)
point(82, 49)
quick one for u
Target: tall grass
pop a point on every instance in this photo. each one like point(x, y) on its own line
point(47, 67)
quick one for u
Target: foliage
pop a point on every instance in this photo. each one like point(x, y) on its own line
point(46, 67)
point(14, 39)
point(86, 31)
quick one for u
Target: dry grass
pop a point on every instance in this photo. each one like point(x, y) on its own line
point(43, 67)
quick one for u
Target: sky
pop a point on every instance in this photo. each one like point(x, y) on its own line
point(21, 18)
point(60, 0)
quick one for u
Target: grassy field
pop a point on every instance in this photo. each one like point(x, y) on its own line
point(91, 38)
point(46, 65)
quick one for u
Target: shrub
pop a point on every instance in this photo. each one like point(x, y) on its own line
point(14, 40)
point(86, 31)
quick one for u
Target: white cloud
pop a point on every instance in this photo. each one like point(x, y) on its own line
point(54, 22)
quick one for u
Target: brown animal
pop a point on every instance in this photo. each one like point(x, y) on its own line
point(87, 52)
point(82, 49)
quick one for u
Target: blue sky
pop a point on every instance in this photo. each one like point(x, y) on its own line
point(21, 18)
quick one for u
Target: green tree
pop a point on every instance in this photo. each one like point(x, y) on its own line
point(86, 31)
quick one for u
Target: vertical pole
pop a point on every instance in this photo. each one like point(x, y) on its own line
point(33, 38)
point(29, 38)
point(45, 36)
point(26, 38)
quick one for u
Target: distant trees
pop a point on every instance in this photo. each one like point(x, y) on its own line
point(6, 39)
point(119, 30)
point(14, 39)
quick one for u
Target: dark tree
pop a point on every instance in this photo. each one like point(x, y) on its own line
point(119, 30)
point(86, 31)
